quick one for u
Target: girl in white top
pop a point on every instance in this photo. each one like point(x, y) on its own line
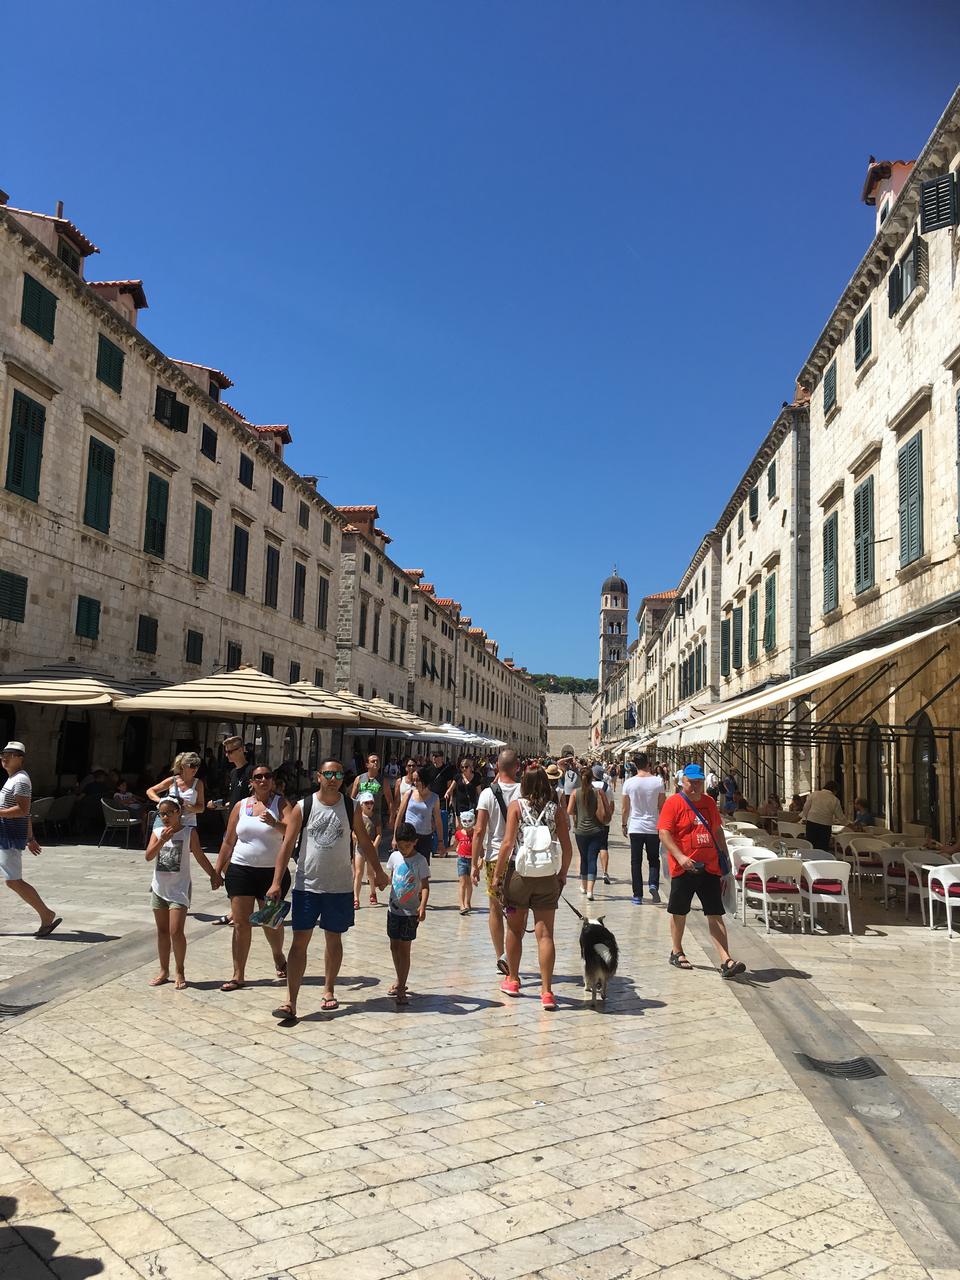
point(248, 855)
point(183, 786)
point(405, 783)
point(171, 846)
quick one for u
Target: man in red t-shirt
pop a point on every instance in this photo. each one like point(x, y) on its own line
point(690, 830)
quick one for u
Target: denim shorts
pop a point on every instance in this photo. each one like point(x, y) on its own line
point(464, 866)
point(333, 912)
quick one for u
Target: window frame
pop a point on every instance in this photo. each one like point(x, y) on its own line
point(110, 359)
point(38, 308)
point(87, 615)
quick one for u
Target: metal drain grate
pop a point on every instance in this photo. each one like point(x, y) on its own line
point(854, 1069)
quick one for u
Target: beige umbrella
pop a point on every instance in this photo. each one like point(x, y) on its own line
point(362, 711)
point(64, 684)
point(244, 694)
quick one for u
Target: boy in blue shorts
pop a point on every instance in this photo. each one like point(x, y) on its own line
point(409, 873)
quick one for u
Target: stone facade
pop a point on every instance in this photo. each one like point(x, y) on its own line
point(375, 613)
point(568, 722)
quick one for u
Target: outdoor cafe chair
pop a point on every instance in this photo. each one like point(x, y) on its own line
point(943, 885)
point(789, 828)
point(794, 842)
point(40, 812)
point(917, 863)
point(825, 883)
point(864, 852)
point(117, 820)
point(894, 872)
point(772, 881)
point(60, 812)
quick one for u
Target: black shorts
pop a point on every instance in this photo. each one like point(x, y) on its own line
point(703, 885)
point(401, 928)
point(251, 882)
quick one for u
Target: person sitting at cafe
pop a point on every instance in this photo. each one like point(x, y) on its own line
point(123, 798)
point(796, 804)
point(862, 817)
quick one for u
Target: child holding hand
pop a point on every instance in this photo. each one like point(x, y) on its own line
point(409, 873)
point(171, 846)
point(464, 838)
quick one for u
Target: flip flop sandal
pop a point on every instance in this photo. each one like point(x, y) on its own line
point(285, 1014)
point(732, 968)
point(502, 966)
point(233, 985)
point(45, 930)
point(222, 920)
point(679, 960)
point(281, 973)
point(356, 904)
point(374, 902)
point(329, 1003)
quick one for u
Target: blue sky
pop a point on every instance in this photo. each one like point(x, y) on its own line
point(533, 277)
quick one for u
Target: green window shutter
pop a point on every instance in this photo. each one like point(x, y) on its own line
point(830, 577)
point(202, 528)
point(155, 525)
point(98, 499)
point(38, 310)
point(110, 364)
point(895, 289)
point(863, 535)
point(830, 388)
point(938, 203)
point(299, 590)
point(753, 621)
point(862, 339)
point(271, 578)
point(323, 599)
point(910, 486)
point(13, 596)
point(770, 612)
point(754, 503)
point(88, 618)
point(146, 634)
point(772, 479)
point(26, 447)
point(234, 655)
point(180, 418)
point(238, 566)
point(738, 637)
point(194, 648)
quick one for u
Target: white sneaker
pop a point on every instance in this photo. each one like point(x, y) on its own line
point(589, 897)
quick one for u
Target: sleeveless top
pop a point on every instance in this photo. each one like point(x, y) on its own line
point(405, 786)
point(325, 864)
point(466, 794)
point(585, 823)
point(419, 813)
point(257, 843)
point(186, 795)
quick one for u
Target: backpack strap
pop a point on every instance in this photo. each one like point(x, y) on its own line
point(722, 858)
point(498, 796)
point(306, 805)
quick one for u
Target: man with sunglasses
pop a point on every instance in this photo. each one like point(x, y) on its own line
point(323, 884)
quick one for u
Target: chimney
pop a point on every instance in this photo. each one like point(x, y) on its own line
point(59, 208)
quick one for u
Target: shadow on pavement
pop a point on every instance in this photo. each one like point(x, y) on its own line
point(454, 1005)
point(764, 977)
point(14, 1010)
point(34, 1243)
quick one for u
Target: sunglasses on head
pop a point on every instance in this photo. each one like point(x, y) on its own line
point(331, 773)
point(261, 777)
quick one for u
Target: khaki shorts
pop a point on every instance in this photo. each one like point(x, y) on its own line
point(539, 892)
point(164, 904)
point(490, 870)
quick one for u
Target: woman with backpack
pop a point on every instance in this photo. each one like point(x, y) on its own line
point(530, 873)
point(591, 813)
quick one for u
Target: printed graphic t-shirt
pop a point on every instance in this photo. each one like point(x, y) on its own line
point(407, 877)
point(694, 839)
point(171, 869)
point(325, 864)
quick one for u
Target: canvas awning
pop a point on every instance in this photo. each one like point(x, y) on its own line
point(68, 684)
point(244, 694)
point(714, 725)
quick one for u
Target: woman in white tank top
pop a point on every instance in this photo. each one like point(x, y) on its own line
point(248, 856)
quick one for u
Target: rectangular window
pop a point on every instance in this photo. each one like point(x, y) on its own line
point(202, 528)
point(862, 339)
point(68, 255)
point(294, 672)
point(323, 599)
point(863, 536)
point(396, 587)
point(194, 648)
point(738, 637)
point(245, 472)
point(266, 663)
point(380, 575)
point(910, 487)
point(725, 647)
point(740, 525)
point(238, 560)
point(393, 641)
point(13, 596)
point(146, 634)
point(169, 412)
point(402, 654)
point(753, 624)
point(754, 503)
point(318, 677)
point(276, 494)
point(906, 274)
point(234, 655)
point(98, 499)
point(155, 525)
point(772, 479)
point(327, 533)
point(831, 585)
point(362, 630)
point(38, 310)
point(375, 642)
point(770, 613)
point(366, 563)
point(299, 590)
point(208, 442)
point(26, 447)
point(303, 515)
point(729, 540)
point(88, 618)
point(271, 577)
point(109, 364)
point(830, 388)
point(939, 203)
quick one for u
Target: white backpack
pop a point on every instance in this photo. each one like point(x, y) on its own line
point(538, 853)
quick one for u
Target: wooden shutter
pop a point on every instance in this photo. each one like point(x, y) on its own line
point(109, 364)
point(146, 634)
point(862, 339)
point(13, 596)
point(88, 618)
point(38, 310)
point(98, 499)
point(753, 620)
point(299, 589)
point(830, 387)
point(164, 406)
point(754, 503)
point(938, 203)
point(155, 526)
point(180, 416)
point(772, 479)
point(271, 584)
point(194, 652)
point(26, 447)
point(910, 486)
point(738, 637)
point(323, 599)
point(238, 567)
point(202, 528)
point(894, 289)
point(770, 612)
point(830, 580)
point(863, 535)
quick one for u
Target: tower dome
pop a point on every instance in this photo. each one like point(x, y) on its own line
point(614, 583)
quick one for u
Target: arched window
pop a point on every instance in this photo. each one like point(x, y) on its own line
point(835, 765)
point(876, 798)
point(925, 793)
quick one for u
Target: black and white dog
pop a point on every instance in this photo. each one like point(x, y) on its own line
point(600, 954)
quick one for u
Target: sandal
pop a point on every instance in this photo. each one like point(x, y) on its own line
point(373, 900)
point(401, 997)
point(356, 904)
point(286, 1015)
point(329, 1003)
point(732, 968)
point(679, 960)
point(45, 930)
point(233, 985)
point(510, 987)
point(548, 1000)
point(281, 972)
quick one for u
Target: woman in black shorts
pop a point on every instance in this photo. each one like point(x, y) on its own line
point(249, 855)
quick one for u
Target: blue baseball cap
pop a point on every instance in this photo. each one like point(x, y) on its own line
point(693, 771)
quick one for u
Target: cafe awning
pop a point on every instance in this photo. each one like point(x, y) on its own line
point(68, 684)
point(244, 694)
point(714, 726)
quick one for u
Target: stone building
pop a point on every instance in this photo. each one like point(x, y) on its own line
point(568, 722)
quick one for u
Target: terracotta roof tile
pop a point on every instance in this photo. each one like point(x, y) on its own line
point(413, 573)
point(216, 375)
point(662, 595)
point(133, 287)
point(63, 225)
point(374, 511)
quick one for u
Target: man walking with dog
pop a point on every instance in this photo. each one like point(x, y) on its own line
point(690, 830)
point(487, 837)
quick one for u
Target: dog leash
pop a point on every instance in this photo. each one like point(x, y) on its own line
point(578, 914)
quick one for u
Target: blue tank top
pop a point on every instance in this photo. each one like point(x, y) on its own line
point(420, 814)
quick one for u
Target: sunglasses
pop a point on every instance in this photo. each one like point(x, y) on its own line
point(261, 777)
point(331, 773)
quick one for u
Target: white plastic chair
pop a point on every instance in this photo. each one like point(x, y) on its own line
point(894, 872)
point(774, 882)
point(826, 883)
point(914, 861)
point(794, 842)
point(791, 828)
point(943, 886)
point(864, 852)
point(742, 826)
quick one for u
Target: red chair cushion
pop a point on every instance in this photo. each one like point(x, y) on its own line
point(870, 862)
point(773, 886)
point(954, 890)
point(827, 886)
point(896, 869)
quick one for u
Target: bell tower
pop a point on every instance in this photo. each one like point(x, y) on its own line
point(613, 625)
